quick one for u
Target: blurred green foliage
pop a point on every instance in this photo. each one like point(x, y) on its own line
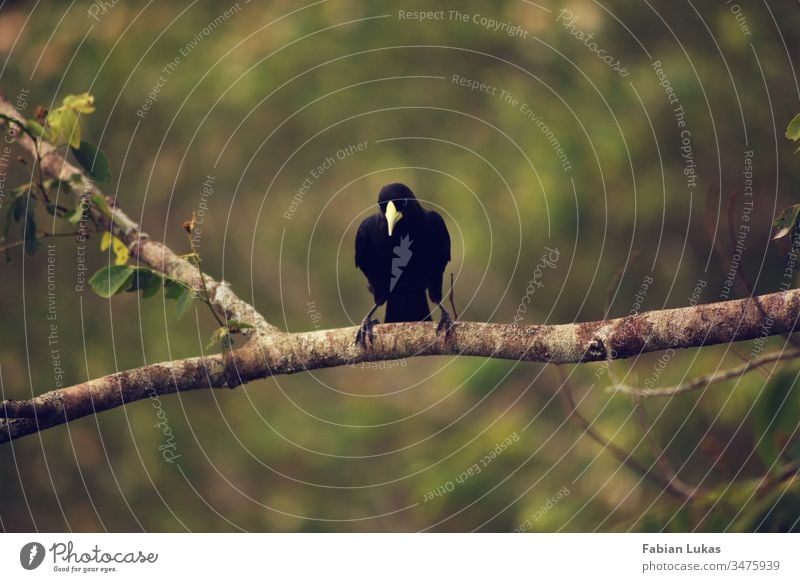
point(253, 103)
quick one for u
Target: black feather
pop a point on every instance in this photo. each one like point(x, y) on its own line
point(401, 268)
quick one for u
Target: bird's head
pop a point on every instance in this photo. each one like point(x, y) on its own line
point(396, 202)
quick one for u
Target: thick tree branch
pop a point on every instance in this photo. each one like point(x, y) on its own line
point(151, 253)
point(287, 353)
point(61, 406)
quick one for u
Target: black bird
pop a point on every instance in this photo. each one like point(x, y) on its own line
point(403, 250)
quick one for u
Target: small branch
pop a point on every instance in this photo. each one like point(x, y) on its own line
point(41, 236)
point(196, 260)
point(746, 358)
point(624, 457)
point(788, 472)
point(687, 492)
point(452, 297)
point(38, 163)
point(61, 406)
point(703, 381)
point(153, 254)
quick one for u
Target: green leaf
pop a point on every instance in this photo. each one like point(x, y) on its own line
point(31, 127)
point(54, 210)
point(19, 209)
point(226, 342)
point(151, 287)
point(63, 121)
point(32, 243)
point(60, 185)
point(147, 281)
point(74, 216)
point(12, 121)
point(793, 129)
point(111, 280)
point(785, 221)
point(35, 128)
point(173, 289)
point(237, 326)
point(100, 203)
point(81, 103)
point(120, 249)
point(93, 161)
point(71, 128)
point(220, 337)
point(184, 301)
point(54, 119)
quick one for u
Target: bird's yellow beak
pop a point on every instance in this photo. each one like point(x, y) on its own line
point(392, 216)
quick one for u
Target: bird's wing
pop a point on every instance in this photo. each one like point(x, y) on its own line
point(370, 257)
point(437, 254)
point(439, 238)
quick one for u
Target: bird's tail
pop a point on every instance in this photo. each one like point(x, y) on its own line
point(408, 306)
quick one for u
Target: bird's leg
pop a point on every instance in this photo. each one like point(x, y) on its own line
point(445, 324)
point(365, 331)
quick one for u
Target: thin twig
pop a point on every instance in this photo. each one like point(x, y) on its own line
point(43, 235)
point(452, 297)
point(746, 358)
point(623, 456)
point(702, 381)
point(662, 461)
point(195, 257)
point(39, 173)
point(787, 472)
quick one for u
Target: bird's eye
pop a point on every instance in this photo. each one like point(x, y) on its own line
point(405, 202)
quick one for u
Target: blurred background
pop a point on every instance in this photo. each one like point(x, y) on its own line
point(537, 130)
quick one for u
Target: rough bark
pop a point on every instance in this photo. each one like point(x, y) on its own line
point(288, 353)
